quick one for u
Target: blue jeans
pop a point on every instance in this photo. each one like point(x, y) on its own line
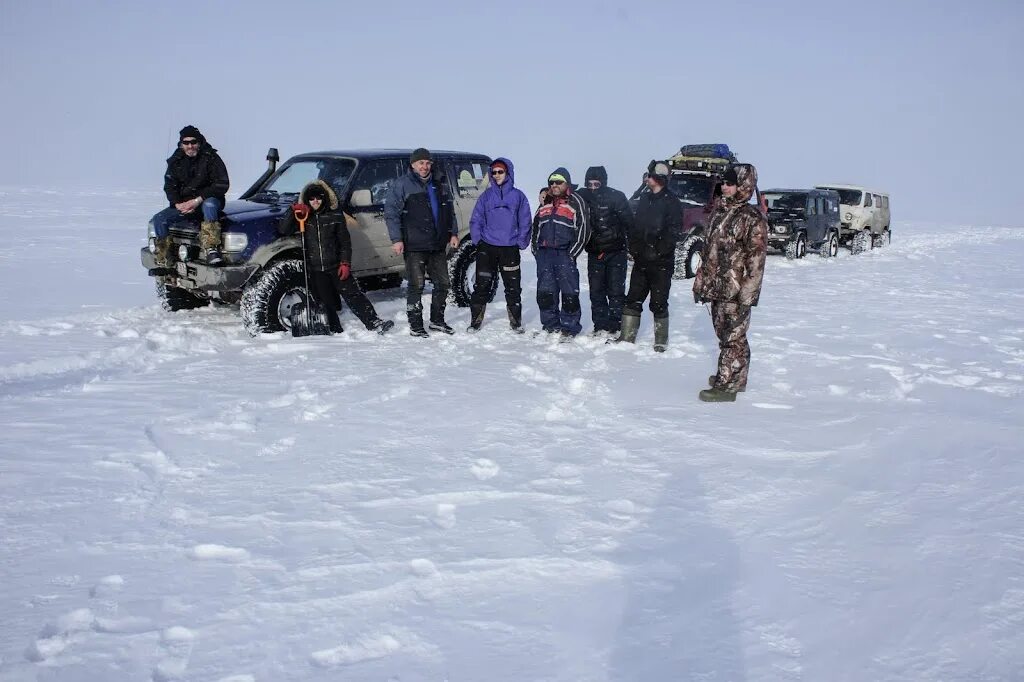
point(607, 277)
point(163, 220)
point(557, 275)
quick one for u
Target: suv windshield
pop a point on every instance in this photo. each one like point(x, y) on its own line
point(691, 189)
point(785, 202)
point(293, 177)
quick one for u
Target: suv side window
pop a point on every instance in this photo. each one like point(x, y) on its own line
point(867, 200)
point(468, 177)
point(377, 175)
point(820, 202)
point(885, 202)
point(810, 206)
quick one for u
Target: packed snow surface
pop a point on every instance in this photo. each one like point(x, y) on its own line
point(179, 501)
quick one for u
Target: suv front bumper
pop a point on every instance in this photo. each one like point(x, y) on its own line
point(196, 275)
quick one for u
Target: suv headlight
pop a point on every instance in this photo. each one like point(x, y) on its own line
point(235, 241)
point(848, 217)
point(150, 230)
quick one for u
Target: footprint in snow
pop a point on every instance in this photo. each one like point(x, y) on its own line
point(177, 643)
point(112, 584)
point(484, 469)
point(445, 516)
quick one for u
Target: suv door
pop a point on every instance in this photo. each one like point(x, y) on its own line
point(820, 220)
point(467, 178)
point(371, 246)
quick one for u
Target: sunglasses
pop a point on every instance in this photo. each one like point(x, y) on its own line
point(497, 172)
point(729, 182)
point(552, 183)
point(189, 142)
point(315, 198)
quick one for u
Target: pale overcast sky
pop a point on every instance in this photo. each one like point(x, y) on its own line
point(920, 99)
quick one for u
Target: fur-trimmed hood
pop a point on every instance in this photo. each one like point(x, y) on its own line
point(332, 198)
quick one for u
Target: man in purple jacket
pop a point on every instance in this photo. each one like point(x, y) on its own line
point(500, 229)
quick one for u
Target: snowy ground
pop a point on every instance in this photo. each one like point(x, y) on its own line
point(180, 501)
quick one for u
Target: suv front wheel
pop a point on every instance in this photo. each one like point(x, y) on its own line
point(797, 248)
point(688, 257)
point(269, 298)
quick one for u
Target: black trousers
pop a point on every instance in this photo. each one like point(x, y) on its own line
point(327, 286)
point(417, 265)
point(652, 278)
point(503, 260)
point(607, 276)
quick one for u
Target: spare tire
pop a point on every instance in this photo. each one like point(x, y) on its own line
point(462, 272)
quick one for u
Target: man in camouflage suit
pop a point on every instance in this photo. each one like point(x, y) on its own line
point(730, 278)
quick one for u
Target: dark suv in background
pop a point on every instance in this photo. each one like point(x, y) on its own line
point(262, 271)
point(802, 219)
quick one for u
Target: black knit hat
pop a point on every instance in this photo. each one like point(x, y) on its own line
point(659, 171)
point(730, 177)
point(317, 191)
point(420, 154)
point(190, 131)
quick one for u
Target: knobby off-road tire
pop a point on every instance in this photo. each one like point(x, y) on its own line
point(879, 241)
point(173, 299)
point(861, 242)
point(270, 295)
point(688, 257)
point(462, 273)
point(797, 248)
point(830, 247)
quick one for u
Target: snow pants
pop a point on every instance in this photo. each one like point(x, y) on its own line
point(731, 321)
point(558, 276)
point(652, 278)
point(492, 260)
point(607, 278)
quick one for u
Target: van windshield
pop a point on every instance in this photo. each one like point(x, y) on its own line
point(850, 197)
point(691, 189)
point(293, 177)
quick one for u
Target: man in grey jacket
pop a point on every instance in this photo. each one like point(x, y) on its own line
point(421, 224)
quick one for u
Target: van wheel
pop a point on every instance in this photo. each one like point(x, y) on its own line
point(880, 240)
point(688, 257)
point(173, 299)
point(861, 242)
point(830, 248)
point(269, 298)
point(462, 273)
point(797, 248)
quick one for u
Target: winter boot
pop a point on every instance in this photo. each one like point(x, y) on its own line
point(660, 334)
point(714, 378)
point(441, 326)
point(209, 240)
point(161, 258)
point(416, 323)
point(476, 317)
point(382, 326)
point(515, 319)
point(717, 395)
point(630, 326)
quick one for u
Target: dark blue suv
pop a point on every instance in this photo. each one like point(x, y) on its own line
point(262, 271)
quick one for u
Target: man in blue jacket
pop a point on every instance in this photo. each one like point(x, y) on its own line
point(560, 230)
point(421, 224)
point(500, 229)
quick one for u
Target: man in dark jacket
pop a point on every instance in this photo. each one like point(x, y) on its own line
point(329, 255)
point(560, 229)
point(652, 243)
point(730, 278)
point(500, 229)
point(420, 216)
point(195, 184)
point(610, 221)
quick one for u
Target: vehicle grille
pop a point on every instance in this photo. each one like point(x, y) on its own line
point(184, 234)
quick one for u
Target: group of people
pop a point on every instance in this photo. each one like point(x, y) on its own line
point(420, 216)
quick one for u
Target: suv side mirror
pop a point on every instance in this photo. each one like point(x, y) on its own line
point(360, 198)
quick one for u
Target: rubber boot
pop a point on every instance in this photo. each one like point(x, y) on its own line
point(476, 317)
point(714, 378)
point(660, 334)
point(630, 327)
point(717, 395)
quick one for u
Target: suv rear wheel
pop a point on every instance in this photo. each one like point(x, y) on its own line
point(269, 298)
point(880, 240)
point(830, 248)
point(861, 242)
point(175, 298)
point(688, 257)
point(462, 273)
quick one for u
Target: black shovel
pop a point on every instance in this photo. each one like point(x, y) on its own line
point(308, 317)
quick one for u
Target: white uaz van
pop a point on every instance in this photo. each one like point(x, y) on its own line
point(864, 217)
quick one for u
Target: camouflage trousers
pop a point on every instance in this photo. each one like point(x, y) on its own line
point(731, 321)
point(209, 234)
